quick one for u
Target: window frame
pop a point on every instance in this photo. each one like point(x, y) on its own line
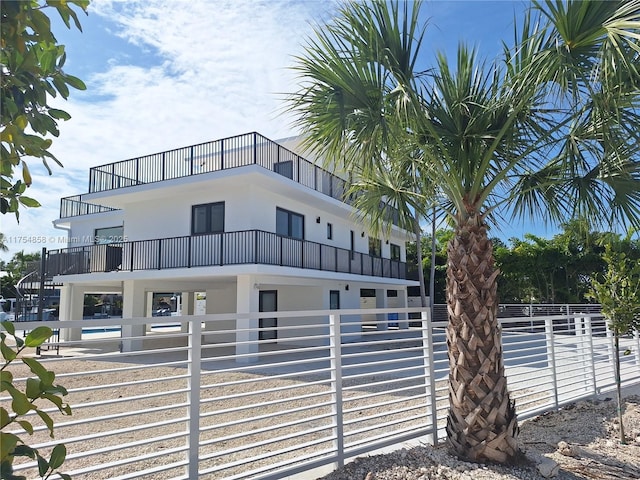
point(290, 215)
point(209, 228)
point(398, 249)
point(118, 238)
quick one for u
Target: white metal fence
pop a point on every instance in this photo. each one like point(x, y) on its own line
point(191, 401)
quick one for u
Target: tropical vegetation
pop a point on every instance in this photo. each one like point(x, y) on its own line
point(548, 132)
point(32, 74)
point(617, 290)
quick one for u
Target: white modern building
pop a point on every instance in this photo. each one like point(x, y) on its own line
point(245, 219)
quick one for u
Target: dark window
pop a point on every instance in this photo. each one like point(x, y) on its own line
point(392, 293)
point(329, 231)
point(334, 299)
point(207, 218)
point(289, 224)
point(395, 252)
point(284, 168)
point(375, 247)
point(108, 235)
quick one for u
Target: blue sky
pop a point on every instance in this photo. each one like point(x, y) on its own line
point(164, 74)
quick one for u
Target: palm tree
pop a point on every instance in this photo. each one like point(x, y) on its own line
point(3, 243)
point(546, 134)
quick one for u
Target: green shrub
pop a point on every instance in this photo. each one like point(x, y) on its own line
point(38, 389)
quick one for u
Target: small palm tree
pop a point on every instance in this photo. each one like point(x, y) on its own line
point(3, 243)
point(546, 134)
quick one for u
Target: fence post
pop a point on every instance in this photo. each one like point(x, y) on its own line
point(335, 344)
point(193, 396)
point(429, 371)
point(588, 332)
point(636, 336)
point(551, 355)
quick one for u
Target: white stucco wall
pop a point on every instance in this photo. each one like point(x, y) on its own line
point(248, 206)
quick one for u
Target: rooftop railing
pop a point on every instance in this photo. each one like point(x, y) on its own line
point(224, 154)
point(73, 206)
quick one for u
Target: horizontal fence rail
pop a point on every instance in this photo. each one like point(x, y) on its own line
point(233, 152)
point(231, 248)
point(205, 397)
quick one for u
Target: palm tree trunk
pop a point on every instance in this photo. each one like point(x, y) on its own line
point(482, 422)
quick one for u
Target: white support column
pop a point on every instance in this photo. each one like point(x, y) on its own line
point(350, 324)
point(133, 306)
point(381, 302)
point(247, 324)
point(403, 302)
point(148, 305)
point(188, 303)
point(71, 308)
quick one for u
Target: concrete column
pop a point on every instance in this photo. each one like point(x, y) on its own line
point(133, 306)
point(381, 302)
point(187, 307)
point(188, 303)
point(247, 303)
point(71, 308)
point(352, 324)
point(403, 301)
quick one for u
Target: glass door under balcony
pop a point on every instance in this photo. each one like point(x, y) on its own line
point(268, 302)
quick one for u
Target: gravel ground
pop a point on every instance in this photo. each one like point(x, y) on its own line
point(582, 439)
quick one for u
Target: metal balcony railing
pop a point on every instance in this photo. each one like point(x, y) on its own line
point(232, 248)
point(73, 206)
point(224, 154)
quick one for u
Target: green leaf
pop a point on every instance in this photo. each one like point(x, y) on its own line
point(9, 327)
point(6, 376)
point(34, 388)
point(75, 82)
point(29, 202)
point(21, 121)
point(59, 114)
point(25, 451)
point(7, 352)
point(5, 419)
point(26, 174)
point(43, 374)
point(43, 465)
point(48, 421)
point(627, 351)
point(38, 336)
point(60, 86)
point(64, 476)
point(58, 455)
point(26, 426)
point(8, 442)
point(64, 408)
point(20, 403)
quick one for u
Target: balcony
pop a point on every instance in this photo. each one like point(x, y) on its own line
point(74, 206)
point(220, 249)
point(232, 152)
point(218, 155)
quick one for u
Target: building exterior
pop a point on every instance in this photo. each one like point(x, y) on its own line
point(244, 219)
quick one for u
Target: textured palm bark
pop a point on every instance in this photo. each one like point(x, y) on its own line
point(482, 422)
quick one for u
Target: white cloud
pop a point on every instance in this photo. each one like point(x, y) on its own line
point(218, 70)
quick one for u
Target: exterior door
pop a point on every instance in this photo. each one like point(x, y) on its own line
point(334, 299)
point(268, 302)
